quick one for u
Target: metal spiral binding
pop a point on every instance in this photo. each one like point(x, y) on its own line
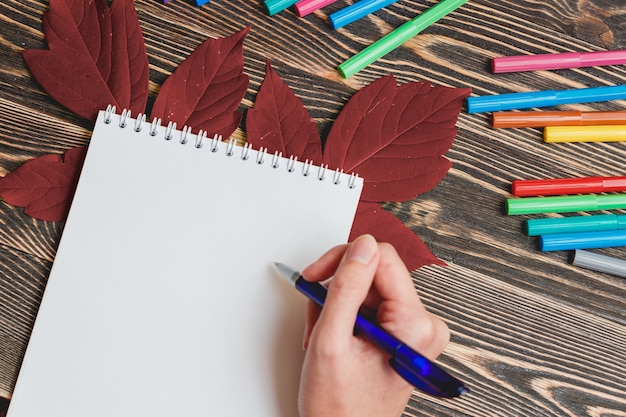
point(214, 144)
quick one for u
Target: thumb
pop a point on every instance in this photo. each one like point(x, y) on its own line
point(349, 288)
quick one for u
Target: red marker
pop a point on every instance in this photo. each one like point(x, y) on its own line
point(559, 186)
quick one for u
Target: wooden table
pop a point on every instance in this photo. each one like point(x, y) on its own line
point(532, 335)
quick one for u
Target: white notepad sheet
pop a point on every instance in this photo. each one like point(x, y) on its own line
point(163, 299)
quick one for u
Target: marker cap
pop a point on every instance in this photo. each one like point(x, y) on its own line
point(611, 133)
point(586, 240)
point(600, 263)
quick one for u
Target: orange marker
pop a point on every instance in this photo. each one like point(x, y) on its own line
point(557, 118)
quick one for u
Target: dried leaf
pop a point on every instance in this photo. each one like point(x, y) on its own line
point(280, 123)
point(385, 227)
point(206, 89)
point(96, 57)
point(395, 137)
point(44, 186)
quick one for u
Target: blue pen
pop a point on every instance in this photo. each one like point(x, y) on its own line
point(583, 240)
point(356, 11)
point(410, 365)
point(544, 98)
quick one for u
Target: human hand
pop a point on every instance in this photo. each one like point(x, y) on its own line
point(344, 375)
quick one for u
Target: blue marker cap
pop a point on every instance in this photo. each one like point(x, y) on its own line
point(575, 224)
point(586, 240)
point(545, 98)
point(356, 11)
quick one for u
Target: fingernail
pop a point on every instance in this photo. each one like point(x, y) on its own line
point(363, 249)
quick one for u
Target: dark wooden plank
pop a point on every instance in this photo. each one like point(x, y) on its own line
point(532, 335)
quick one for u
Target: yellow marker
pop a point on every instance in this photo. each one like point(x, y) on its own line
point(608, 133)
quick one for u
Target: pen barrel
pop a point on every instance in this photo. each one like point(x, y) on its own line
point(587, 240)
point(592, 94)
point(599, 58)
point(313, 290)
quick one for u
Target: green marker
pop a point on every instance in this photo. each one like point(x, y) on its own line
point(398, 37)
point(565, 204)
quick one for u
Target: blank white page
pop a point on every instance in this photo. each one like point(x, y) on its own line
point(163, 299)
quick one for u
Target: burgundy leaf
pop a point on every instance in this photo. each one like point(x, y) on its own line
point(206, 89)
point(129, 73)
point(44, 186)
point(85, 68)
point(395, 137)
point(280, 123)
point(385, 227)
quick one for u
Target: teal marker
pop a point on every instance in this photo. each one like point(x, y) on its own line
point(396, 38)
point(565, 204)
point(575, 224)
point(275, 6)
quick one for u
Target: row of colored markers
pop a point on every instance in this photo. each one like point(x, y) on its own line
point(578, 233)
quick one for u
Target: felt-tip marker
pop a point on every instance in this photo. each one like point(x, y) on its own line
point(409, 364)
point(558, 186)
point(544, 98)
point(562, 60)
point(507, 119)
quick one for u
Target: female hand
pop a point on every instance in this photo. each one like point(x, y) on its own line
point(344, 375)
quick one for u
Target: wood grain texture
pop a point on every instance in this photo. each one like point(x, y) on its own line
point(532, 335)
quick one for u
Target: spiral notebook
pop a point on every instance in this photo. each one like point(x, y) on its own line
point(163, 299)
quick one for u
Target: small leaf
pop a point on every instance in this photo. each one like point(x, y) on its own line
point(395, 137)
point(88, 66)
point(385, 227)
point(206, 89)
point(280, 123)
point(44, 186)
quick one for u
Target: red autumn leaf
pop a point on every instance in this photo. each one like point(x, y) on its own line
point(385, 227)
point(280, 123)
point(44, 186)
point(395, 137)
point(96, 57)
point(206, 89)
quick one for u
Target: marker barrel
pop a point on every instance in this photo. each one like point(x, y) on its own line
point(564, 60)
point(356, 11)
point(612, 133)
point(545, 98)
point(575, 224)
point(586, 240)
point(510, 119)
point(305, 7)
point(558, 186)
point(275, 6)
point(600, 263)
point(565, 204)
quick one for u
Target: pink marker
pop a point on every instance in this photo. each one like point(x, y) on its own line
point(304, 7)
point(557, 61)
